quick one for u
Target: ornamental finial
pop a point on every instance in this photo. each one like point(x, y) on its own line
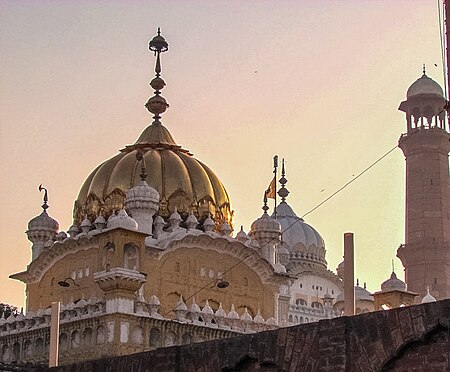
point(283, 192)
point(140, 157)
point(424, 69)
point(157, 104)
point(45, 205)
point(265, 208)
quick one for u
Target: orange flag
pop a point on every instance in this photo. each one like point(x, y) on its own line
point(271, 189)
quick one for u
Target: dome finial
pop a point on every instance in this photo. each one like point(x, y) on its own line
point(265, 208)
point(283, 192)
point(157, 104)
point(45, 205)
point(140, 157)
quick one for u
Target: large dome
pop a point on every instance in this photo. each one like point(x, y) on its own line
point(182, 181)
point(424, 85)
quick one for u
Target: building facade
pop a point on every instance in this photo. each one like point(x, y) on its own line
point(151, 261)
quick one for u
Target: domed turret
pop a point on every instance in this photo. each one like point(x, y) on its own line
point(181, 181)
point(424, 85)
point(424, 105)
point(41, 228)
point(428, 297)
point(266, 231)
point(393, 283)
point(142, 201)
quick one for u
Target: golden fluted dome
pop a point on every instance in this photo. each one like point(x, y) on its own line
point(182, 181)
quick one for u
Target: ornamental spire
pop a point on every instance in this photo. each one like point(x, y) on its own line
point(283, 191)
point(265, 208)
point(157, 104)
point(45, 205)
point(140, 157)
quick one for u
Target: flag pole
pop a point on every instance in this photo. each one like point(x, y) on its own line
point(275, 166)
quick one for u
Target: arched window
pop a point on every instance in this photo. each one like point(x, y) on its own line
point(171, 339)
point(5, 353)
point(100, 337)
point(87, 336)
point(138, 335)
point(130, 257)
point(186, 339)
point(16, 352)
point(75, 339)
point(290, 319)
point(27, 348)
point(155, 338)
point(296, 319)
point(39, 346)
point(63, 342)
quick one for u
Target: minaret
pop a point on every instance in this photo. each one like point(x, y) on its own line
point(426, 145)
point(41, 229)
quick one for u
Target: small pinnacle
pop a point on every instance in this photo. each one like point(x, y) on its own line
point(45, 205)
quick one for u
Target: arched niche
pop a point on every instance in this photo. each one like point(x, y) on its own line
point(130, 257)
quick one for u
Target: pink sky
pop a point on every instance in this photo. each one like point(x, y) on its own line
point(329, 78)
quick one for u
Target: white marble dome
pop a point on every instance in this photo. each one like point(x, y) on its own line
point(301, 238)
point(424, 85)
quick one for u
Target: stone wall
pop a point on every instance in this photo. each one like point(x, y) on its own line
point(415, 338)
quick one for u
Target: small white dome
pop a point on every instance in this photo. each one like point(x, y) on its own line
point(123, 221)
point(233, 314)
point(194, 307)
point(207, 309)
point(154, 301)
point(265, 223)
point(246, 317)
point(393, 283)
point(258, 318)
point(428, 297)
point(424, 85)
point(221, 312)
point(241, 235)
point(43, 222)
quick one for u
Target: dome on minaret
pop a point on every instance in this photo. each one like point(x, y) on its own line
point(424, 85)
point(183, 182)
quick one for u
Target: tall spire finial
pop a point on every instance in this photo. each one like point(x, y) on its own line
point(157, 104)
point(265, 208)
point(283, 191)
point(45, 205)
point(393, 267)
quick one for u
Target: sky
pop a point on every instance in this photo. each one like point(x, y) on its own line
point(317, 82)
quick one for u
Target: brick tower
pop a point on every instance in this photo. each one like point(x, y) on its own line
point(426, 145)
